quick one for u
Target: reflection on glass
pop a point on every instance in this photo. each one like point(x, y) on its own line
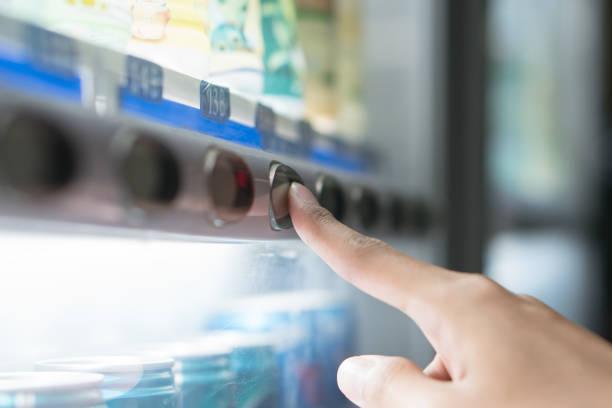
point(543, 121)
point(543, 99)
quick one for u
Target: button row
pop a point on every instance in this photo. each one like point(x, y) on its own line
point(331, 196)
point(38, 158)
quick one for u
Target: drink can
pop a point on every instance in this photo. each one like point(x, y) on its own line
point(254, 364)
point(312, 332)
point(334, 340)
point(50, 390)
point(202, 372)
point(129, 381)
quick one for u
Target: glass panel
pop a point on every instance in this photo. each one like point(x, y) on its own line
point(544, 104)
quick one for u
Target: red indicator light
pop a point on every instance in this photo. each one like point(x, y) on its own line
point(230, 186)
point(242, 179)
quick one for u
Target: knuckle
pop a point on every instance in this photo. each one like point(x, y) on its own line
point(481, 287)
point(364, 243)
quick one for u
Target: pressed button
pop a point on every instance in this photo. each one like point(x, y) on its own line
point(151, 171)
point(366, 205)
point(281, 177)
point(230, 186)
point(35, 156)
point(330, 196)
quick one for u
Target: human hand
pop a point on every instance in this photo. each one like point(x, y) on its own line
point(494, 348)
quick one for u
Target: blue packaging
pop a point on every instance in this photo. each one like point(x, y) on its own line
point(290, 341)
point(313, 333)
point(334, 341)
point(50, 390)
point(202, 372)
point(129, 381)
point(254, 364)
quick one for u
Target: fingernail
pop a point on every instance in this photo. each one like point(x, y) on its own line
point(303, 194)
point(353, 375)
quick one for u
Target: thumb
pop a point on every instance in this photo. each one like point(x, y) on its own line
point(379, 381)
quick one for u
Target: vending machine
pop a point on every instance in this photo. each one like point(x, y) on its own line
point(147, 254)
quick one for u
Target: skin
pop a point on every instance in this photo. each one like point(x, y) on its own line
point(494, 348)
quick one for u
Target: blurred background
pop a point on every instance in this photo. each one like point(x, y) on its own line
point(515, 98)
point(545, 150)
point(495, 116)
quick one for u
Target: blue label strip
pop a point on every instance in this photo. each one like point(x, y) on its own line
point(186, 117)
point(331, 158)
point(30, 78)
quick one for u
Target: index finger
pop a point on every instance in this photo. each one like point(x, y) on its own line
point(371, 265)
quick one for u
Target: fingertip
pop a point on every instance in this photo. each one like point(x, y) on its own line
point(300, 198)
point(308, 217)
point(300, 194)
point(352, 377)
point(373, 380)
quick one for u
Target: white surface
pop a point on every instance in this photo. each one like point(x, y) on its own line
point(38, 381)
point(107, 364)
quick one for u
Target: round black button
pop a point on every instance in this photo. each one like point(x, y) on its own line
point(35, 156)
point(366, 205)
point(330, 196)
point(151, 171)
point(230, 186)
point(281, 177)
point(421, 218)
point(397, 214)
